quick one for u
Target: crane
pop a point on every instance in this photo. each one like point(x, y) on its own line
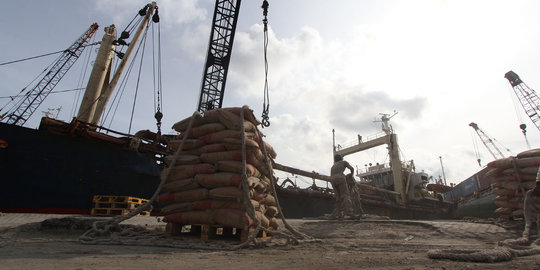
point(488, 142)
point(35, 96)
point(527, 97)
point(219, 54)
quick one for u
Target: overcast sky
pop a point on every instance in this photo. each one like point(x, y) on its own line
point(332, 65)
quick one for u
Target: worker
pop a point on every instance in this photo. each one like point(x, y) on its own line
point(531, 210)
point(339, 184)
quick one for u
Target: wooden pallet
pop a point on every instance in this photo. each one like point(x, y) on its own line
point(207, 232)
point(117, 199)
point(115, 212)
point(129, 206)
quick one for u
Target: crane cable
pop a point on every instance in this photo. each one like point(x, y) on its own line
point(43, 55)
point(266, 103)
point(514, 97)
point(476, 150)
point(158, 91)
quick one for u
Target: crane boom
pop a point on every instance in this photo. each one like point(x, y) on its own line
point(488, 142)
point(527, 97)
point(43, 88)
point(219, 54)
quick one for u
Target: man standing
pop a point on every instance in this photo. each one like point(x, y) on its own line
point(531, 209)
point(339, 184)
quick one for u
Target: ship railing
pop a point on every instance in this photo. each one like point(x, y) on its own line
point(380, 167)
point(360, 140)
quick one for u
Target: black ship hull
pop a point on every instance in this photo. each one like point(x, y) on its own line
point(307, 203)
point(46, 172)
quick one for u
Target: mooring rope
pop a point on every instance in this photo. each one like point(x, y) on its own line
point(504, 251)
point(245, 188)
point(247, 201)
point(516, 170)
point(139, 236)
point(107, 226)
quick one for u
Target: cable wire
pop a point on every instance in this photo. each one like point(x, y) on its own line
point(266, 103)
point(138, 78)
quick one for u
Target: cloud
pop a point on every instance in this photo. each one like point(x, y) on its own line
point(184, 11)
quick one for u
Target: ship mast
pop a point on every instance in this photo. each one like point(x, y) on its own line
point(107, 92)
point(99, 78)
point(390, 139)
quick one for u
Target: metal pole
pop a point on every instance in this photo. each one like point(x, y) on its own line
point(442, 168)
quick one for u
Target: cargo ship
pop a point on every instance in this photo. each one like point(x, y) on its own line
point(498, 189)
point(60, 166)
point(395, 189)
point(473, 196)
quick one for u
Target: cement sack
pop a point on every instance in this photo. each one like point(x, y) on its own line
point(504, 192)
point(494, 172)
point(219, 137)
point(217, 204)
point(232, 218)
point(504, 211)
point(517, 213)
point(515, 185)
point(196, 132)
point(183, 196)
point(219, 179)
point(514, 177)
point(227, 193)
point(506, 163)
point(182, 126)
point(273, 223)
point(187, 171)
point(182, 160)
point(271, 211)
point(177, 207)
point(262, 219)
point(173, 145)
point(208, 148)
point(230, 117)
point(526, 170)
point(181, 185)
point(265, 198)
point(236, 144)
point(236, 167)
point(252, 157)
point(529, 153)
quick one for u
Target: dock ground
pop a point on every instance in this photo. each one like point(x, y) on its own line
point(25, 243)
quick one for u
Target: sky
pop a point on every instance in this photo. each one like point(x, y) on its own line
point(333, 65)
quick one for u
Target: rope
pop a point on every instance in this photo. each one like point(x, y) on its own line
point(247, 201)
point(505, 251)
point(138, 78)
point(516, 170)
point(103, 227)
point(138, 236)
point(273, 189)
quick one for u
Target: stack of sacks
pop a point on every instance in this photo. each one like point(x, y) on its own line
point(507, 185)
point(205, 185)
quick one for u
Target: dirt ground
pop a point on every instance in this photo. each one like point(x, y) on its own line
point(350, 244)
